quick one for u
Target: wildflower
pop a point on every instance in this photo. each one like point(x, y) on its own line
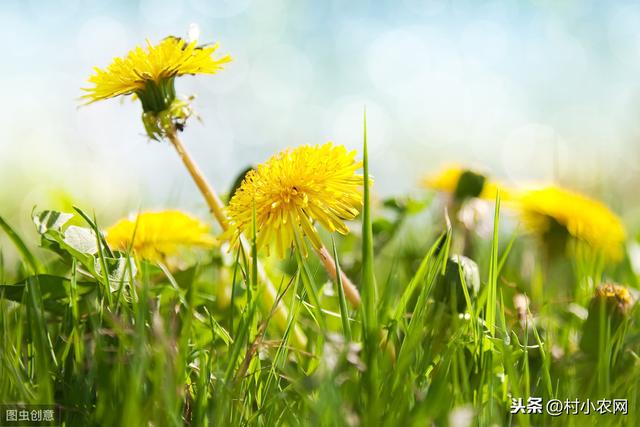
point(617, 296)
point(608, 309)
point(155, 235)
point(463, 184)
point(292, 190)
point(554, 214)
point(149, 74)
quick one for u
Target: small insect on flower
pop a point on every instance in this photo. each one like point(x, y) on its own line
point(463, 183)
point(153, 236)
point(149, 74)
point(294, 189)
point(555, 214)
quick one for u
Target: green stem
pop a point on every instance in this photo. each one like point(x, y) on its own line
point(270, 294)
point(350, 291)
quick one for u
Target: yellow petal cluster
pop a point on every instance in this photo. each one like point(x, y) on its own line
point(156, 235)
point(170, 58)
point(583, 218)
point(293, 190)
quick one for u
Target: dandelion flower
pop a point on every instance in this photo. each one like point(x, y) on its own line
point(552, 212)
point(463, 183)
point(294, 189)
point(150, 72)
point(156, 235)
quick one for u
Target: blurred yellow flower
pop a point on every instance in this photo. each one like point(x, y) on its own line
point(615, 293)
point(463, 183)
point(292, 190)
point(551, 209)
point(155, 235)
point(149, 72)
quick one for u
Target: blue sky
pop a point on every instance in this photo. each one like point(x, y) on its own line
point(526, 90)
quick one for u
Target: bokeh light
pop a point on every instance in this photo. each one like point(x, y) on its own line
point(532, 91)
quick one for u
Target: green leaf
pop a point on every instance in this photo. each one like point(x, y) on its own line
point(51, 220)
point(81, 244)
point(81, 239)
point(118, 269)
point(55, 290)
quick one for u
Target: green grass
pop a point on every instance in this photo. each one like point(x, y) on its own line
point(114, 344)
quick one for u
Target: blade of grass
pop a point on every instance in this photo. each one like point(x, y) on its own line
point(23, 250)
point(371, 333)
point(490, 314)
point(369, 288)
point(344, 312)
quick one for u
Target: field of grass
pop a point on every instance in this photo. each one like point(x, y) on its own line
point(146, 345)
point(455, 321)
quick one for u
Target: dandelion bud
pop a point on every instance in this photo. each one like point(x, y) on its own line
point(608, 309)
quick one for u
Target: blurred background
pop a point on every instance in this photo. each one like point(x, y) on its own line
point(525, 90)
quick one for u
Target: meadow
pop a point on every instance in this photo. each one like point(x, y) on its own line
point(305, 299)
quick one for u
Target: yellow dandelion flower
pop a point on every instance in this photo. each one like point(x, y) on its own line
point(292, 190)
point(463, 183)
point(149, 72)
point(155, 235)
point(551, 209)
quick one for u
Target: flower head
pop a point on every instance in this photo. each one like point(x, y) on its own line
point(463, 183)
point(144, 71)
point(608, 308)
point(552, 212)
point(149, 74)
point(292, 190)
point(617, 295)
point(156, 235)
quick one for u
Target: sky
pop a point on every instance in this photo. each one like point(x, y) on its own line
point(525, 90)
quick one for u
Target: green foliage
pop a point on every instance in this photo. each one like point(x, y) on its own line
point(439, 334)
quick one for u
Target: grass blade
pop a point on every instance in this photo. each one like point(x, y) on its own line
point(25, 253)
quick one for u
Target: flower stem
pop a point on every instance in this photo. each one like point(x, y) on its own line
point(281, 314)
point(215, 204)
point(350, 291)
